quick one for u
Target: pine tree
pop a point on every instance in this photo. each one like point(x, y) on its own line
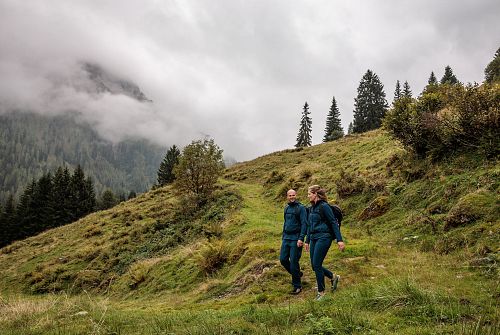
point(43, 203)
point(333, 129)
point(305, 128)
point(397, 92)
point(449, 77)
point(82, 200)
point(132, 195)
point(108, 200)
point(349, 129)
point(492, 70)
point(406, 90)
point(26, 212)
point(370, 105)
point(166, 170)
point(62, 197)
point(432, 79)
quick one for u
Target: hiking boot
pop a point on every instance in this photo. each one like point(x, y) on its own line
point(335, 282)
point(296, 290)
point(319, 296)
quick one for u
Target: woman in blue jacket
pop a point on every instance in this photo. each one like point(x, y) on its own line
point(321, 231)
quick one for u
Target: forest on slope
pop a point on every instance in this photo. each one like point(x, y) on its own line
point(32, 145)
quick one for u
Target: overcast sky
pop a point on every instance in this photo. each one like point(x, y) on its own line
point(238, 71)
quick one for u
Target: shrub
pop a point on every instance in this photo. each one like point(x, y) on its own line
point(349, 184)
point(212, 256)
point(450, 118)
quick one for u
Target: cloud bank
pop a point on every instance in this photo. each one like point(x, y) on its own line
point(237, 71)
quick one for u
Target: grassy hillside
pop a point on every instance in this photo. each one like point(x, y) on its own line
point(422, 253)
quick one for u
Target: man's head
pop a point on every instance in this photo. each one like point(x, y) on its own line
point(291, 195)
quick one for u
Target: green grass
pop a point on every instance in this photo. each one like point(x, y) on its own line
point(148, 267)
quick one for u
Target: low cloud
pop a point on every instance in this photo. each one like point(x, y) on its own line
point(239, 72)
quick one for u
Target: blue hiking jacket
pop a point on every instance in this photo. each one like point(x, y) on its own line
point(295, 226)
point(317, 228)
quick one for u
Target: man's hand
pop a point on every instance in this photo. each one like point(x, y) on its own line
point(306, 246)
point(341, 245)
point(300, 243)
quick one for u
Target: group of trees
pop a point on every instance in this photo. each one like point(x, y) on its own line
point(32, 144)
point(449, 116)
point(333, 129)
point(370, 106)
point(51, 201)
point(471, 118)
point(194, 172)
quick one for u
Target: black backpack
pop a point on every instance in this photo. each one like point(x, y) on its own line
point(337, 212)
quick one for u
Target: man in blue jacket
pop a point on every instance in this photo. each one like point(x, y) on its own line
point(294, 231)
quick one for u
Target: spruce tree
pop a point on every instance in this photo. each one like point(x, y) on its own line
point(406, 90)
point(370, 105)
point(432, 79)
point(62, 196)
point(492, 70)
point(166, 170)
point(132, 195)
point(43, 203)
point(397, 92)
point(333, 129)
point(305, 128)
point(349, 128)
point(449, 77)
point(108, 200)
point(26, 212)
point(83, 199)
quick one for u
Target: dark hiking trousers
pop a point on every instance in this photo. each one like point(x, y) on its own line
point(289, 258)
point(318, 250)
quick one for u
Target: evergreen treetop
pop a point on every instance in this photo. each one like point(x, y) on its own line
point(449, 77)
point(492, 70)
point(406, 90)
point(397, 92)
point(166, 170)
point(370, 104)
point(432, 79)
point(333, 129)
point(305, 128)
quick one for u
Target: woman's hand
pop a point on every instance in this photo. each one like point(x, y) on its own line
point(300, 244)
point(341, 245)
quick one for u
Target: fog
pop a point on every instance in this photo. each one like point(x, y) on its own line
point(237, 71)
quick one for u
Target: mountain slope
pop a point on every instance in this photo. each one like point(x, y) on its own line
point(31, 145)
point(422, 252)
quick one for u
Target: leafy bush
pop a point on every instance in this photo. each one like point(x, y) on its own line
point(450, 118)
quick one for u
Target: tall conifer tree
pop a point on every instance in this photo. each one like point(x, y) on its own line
point(432, 79)
point(449, 77)
point(62, 196)
point(492, 70)
point(397, 92)
point(406, 90)
point(370, 105)
point(333, 129)
point(166, 170)
point(304, 135)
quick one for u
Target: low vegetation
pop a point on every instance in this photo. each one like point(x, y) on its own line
point(422, 253)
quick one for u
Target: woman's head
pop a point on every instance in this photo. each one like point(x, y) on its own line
point(315, 193)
